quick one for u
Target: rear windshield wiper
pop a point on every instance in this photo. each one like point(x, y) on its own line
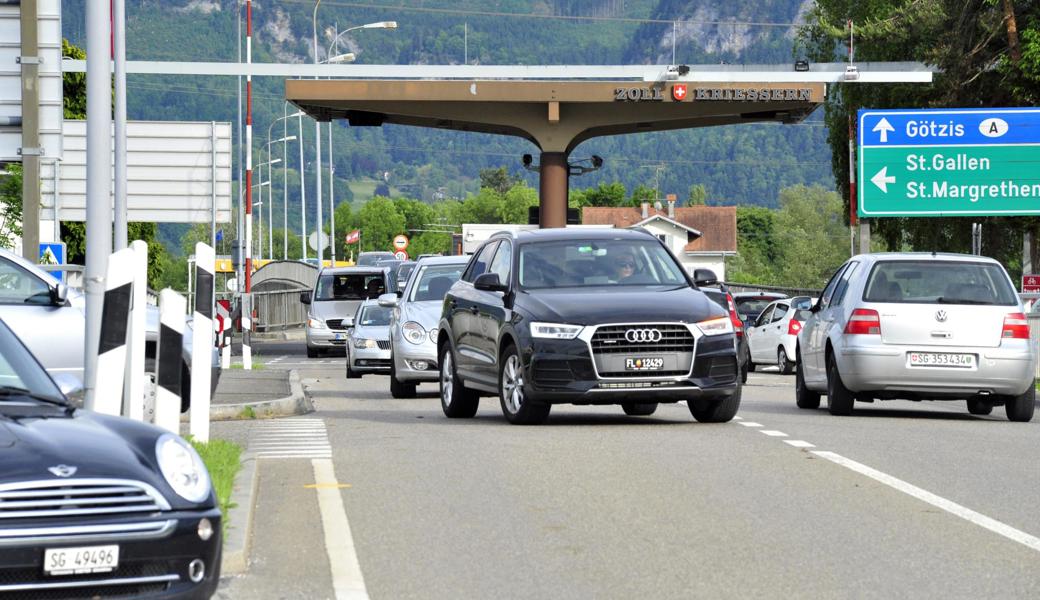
point(942, 300)
point(10, 390)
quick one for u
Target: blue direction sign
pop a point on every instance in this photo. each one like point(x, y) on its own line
point(949, 162)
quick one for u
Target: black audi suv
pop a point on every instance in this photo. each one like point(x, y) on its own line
point(579, 316)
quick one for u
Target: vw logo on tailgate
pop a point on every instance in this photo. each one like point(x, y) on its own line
point(643, 336)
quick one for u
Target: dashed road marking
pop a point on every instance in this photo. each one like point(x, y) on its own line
point(750, 424)
point(290, 438)
point(773, 433)
point(938, 501)
point(799, 443)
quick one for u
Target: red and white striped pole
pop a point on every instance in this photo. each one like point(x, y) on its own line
point(247, 305)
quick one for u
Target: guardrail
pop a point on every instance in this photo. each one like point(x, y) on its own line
point(279, 309)
point(790, 291)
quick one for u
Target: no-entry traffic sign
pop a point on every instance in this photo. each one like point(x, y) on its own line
point(401, 242)
point(955, 162)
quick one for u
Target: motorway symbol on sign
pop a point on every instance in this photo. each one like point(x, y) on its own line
point(949, 162)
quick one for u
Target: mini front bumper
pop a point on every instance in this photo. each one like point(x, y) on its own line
point(155, 567)
point(562, 372)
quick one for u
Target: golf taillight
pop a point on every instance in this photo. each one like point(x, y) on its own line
point(793, 327)
point(1016, 327)
point(864, 321)
point(738, 325)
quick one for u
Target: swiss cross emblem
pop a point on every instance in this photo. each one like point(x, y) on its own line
point(679, 92)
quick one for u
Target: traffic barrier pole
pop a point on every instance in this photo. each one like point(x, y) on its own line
point(224, 317)
point(172, 307)
point(134, 389)
point(115, 321)
point(202, 342)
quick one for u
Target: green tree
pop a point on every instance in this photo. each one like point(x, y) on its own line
point(605, 194)
point(74, 85)
point(758, 254)
point(10, 205)
point(483, 207)
point(518, 200)
point(812, 238)
point(499, 179)
point(642, 194)
point(698, 195)
point(380, 222)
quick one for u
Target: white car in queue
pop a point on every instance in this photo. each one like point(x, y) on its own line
point(918, 326)
point(773, 337)
point(368, 341)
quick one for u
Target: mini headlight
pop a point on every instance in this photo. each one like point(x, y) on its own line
point(315, 323)
point(414, 332)
point(182, 468)
point(362, 343)
point(716, 326)
point(557, 331)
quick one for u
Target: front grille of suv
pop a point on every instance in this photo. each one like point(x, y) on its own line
point(335, 324)
point(610, 339)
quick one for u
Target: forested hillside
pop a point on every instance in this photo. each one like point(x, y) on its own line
point(745, 164)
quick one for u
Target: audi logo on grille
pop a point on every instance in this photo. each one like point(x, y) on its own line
point(643, 336)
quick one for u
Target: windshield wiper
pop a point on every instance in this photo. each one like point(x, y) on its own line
point(10, 390)
point(942, 300)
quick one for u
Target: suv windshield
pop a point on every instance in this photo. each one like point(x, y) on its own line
point(587, 263)
point(939, 282)
point(433, 282)
point(374, 316)
point(349, 286)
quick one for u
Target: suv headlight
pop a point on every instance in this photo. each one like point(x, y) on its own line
point(556, 331)
point(182, 468)
point(716, 326)
point(315, 323)
point(414, 332)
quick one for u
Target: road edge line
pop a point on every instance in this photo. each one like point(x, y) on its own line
point(949, 506)
point(348, 583)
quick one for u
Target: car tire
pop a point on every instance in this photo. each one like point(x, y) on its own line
point(980, 407)
point(751, 365)
point(1020, 408)
point(517, 408)
point(839, 399)
point(313, 352)
point(715, 410)
point(457, 402)
point(803, 396)
point(785, 364)
point(399, 389)
point(743, 374)
point(639, 409)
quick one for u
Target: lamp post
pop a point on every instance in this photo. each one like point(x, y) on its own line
point(303, 196)
point(260, 215)
point(285, 181)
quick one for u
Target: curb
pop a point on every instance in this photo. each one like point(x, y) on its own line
point(296, 403)
point(240, 519)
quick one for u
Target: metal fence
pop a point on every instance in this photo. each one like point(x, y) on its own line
point(279, 309)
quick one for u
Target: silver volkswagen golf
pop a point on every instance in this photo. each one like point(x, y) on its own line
point(918, 326)
point(413, 324)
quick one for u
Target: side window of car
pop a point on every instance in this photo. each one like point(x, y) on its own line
point(828, 292)
point(479, 264)
point(779, 313)
point(843, 285)
point(502, 262)
point(764, 317)
point(18, 286)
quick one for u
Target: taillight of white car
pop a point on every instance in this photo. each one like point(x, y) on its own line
point(864, 321)
point(1016, 327)
point(793, 327)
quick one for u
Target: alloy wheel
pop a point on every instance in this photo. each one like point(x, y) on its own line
point(513, 384)
point(447, 377)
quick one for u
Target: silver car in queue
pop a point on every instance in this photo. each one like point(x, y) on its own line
point(918, 326)
point(368, 341)
point(335, 298)
point(413, 324)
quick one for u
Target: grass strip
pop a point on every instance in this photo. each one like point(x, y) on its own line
point(222, 459)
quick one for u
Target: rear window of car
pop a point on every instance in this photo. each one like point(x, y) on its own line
point(750, 308)
point(350, 286)
point(939, 282)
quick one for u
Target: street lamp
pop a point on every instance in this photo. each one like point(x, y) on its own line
point(260, 215)
point(270, 219)
point(285, 166)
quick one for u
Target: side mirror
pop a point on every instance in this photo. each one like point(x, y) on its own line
point(703, 277)
point(489, 282)
point(348, 322)
point(305, 297)
point(71, 386)
point(59, 294)
point(388, 300)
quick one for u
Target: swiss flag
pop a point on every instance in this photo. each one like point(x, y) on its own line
point(679, 92)
point(353, 236)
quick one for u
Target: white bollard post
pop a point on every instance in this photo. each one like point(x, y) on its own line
point(172, 307)
point(115, 320)
point(247, 324)
point(224, 316)
point(134, 390)
point(202, 342)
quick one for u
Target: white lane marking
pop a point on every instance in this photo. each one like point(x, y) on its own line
point(291, 438)
point(347, 580)
point(773, 433)
point(938, 501)
point(734, 418)
point(799, 443)
point(750, 424)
